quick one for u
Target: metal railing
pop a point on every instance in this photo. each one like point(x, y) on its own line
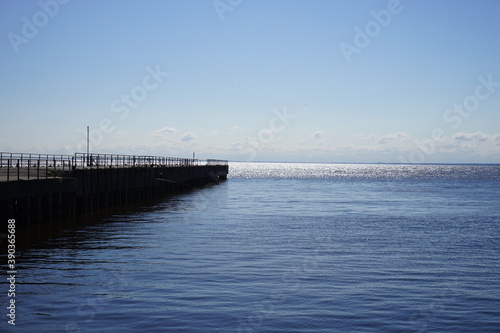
point(17, 166)
point(217, 162)
point(123, 161)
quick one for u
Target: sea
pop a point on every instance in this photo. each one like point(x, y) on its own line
point(278, 247)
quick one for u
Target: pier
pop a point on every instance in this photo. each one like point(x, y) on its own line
point(38, 188)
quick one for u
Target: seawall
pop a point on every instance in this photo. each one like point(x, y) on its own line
point(38, 192)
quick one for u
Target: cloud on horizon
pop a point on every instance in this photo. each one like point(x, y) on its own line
point(162, 132)
point(477, 137)
point(188, 137)
point(318, 134)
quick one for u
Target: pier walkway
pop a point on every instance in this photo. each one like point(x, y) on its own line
point(22, 166)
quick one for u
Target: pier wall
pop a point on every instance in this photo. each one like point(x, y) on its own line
point(85, 190)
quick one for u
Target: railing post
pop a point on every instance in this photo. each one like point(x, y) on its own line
point(38, 168)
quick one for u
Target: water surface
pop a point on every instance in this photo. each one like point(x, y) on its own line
point(281, 247)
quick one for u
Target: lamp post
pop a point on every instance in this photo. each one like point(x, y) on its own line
point(87, 145)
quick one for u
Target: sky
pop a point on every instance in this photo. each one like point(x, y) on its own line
point(409, 81)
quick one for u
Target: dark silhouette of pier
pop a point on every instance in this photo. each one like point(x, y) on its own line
point(37, 188)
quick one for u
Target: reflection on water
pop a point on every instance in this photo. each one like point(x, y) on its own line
point(67, 230)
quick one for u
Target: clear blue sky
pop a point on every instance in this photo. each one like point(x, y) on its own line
point(280, 80)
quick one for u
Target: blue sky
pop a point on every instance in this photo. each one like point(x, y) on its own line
point(282, 80)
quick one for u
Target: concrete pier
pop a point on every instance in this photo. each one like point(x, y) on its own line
point(38, 189)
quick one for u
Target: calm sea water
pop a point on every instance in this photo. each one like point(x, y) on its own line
point(280, 248)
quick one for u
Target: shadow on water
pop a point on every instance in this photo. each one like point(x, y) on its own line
point(71, 231)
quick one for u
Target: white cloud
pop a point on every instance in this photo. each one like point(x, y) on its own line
point(266, 135)
point(118, 134)
point(318, 134)
point(477, 137)
point(363, 137)
point(236, 128)
point(162, 132)
point(394, 138)
point(188, 136)
point(398, 136)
